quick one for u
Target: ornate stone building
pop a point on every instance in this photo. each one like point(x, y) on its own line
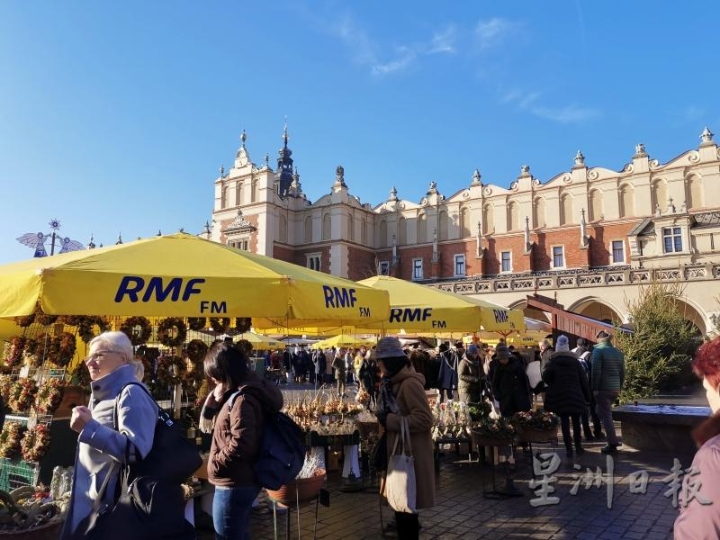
point(590, 236)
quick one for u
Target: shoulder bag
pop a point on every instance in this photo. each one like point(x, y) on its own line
point(400, 487)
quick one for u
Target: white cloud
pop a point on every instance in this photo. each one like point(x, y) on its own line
point(406, 57)
point(443, 42)
point(529, 101)
point(570, 114)
point(493, 32)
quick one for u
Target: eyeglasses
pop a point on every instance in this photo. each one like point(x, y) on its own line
point(98, 356)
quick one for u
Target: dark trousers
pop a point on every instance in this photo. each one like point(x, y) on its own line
point(408, 526)
point(565, 427)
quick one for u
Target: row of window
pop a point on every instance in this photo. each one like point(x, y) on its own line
point(672, 241)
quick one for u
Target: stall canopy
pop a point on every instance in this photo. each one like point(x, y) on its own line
point(260, 343)
point(417, 308)
point(344, 341)
point(182, 275)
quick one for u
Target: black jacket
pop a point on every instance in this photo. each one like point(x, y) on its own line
point(568, 390)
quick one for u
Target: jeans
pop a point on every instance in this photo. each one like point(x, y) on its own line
point(231, 511)
point(604, 400)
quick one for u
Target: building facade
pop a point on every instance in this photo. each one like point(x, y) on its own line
point(591, 236)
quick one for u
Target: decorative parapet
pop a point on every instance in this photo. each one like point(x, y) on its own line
point(579, 278)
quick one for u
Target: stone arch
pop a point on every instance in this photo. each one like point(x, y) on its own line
point(382, 234)
point(465, 231)
point(402, 231)
point(694, 192)
point(443, 225)
point(488, 219)
point(694, 315)
point(566, 209)
point(421, 227)
point(627, 200)
point(659, 194)
point(513, 216)
point(596, 205)
point(539, 219)
point(326, 227)
point(599, 309)
point(308, 230)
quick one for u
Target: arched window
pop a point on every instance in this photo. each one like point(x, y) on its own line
point(442, 225)
point(238, 193)
point(382, 234)
point(566, 209)
point(513, 217)
point(488, 219)
point(326, 233)
point(596, 205)
point(282, 233)
point(659, 195)
point(694, 192)
point(539, 213)
point(465, 231)
point(421, 229)
point(402, 231)
point(627, 201)
point(308, 230)
point(351, 228)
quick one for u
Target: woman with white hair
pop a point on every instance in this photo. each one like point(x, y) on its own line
point(112, 367)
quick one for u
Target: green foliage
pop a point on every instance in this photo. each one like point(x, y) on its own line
point(658, 353)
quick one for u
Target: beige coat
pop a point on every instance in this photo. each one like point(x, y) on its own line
point(408, 387)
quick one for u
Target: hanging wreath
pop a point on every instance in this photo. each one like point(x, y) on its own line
point(196, 323)
point(172, 332)
point(32, 354)
point(196, 350)
point(10, 439)
point(22, 395)
point(35, 443)
point(243, 324)
point(192, 376)
point(24, 322)
point(219, 325)
point(171, 370)
point(49, 396)
point(6, 384)
point(13, 354)
point(138, 329)
point(86, 327)
point(70, 320)
point(43, 318)
point(61, 349)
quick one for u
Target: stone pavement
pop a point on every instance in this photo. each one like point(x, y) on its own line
point(463, 512)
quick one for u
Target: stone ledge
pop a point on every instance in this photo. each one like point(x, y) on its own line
point(659, 427)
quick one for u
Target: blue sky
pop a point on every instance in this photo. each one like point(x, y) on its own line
point(115, 116)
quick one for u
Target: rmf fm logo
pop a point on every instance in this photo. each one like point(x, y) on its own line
point(157, 289)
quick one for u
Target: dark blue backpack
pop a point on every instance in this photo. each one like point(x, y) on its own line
point(282, 449)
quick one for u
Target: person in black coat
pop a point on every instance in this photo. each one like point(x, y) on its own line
point(568, 392)
point(509, 383)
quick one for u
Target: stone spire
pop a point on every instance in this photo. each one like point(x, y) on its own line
point(579, 159)
point(525, 170)
point(706, 137)
point(526, 235)
point(295, 187)
point(393, 194)
point(584, 240)
point(91, 243)
point(242, 157)
point(476, 180)
point(640, 150)
point(339, 177)
point(478, 240)
point(119, 240)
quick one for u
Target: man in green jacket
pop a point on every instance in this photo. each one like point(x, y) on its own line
point(608, 374)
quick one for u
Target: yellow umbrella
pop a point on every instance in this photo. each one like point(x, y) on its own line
point(417, 308)
point(260, 343)
point(344, 340)
point(182, 275)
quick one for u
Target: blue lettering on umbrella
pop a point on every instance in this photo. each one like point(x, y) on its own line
point(132, 286)
point(339, 297)
point(410, 314)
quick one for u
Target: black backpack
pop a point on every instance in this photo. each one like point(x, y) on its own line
point(282, 449)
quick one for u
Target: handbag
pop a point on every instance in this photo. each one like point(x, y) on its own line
point(400, 487)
